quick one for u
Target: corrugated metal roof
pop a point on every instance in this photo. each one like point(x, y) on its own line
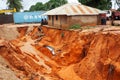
point(73, 9)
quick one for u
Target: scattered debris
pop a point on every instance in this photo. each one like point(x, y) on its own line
point(51, 49)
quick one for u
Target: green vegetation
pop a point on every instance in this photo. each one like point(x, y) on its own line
point(118, 3)
point(62, 34)
point(54, 3)
point(38, 6)
point(118, 9)
point(100, 4)
point(75, 26)
point(15, 4)
point(47, 6)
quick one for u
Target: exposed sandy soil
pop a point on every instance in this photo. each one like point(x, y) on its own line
point(12, 31)
point(90, 54)
point(5, 72)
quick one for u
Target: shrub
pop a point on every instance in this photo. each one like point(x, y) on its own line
point(62, 34)
point(75, 26)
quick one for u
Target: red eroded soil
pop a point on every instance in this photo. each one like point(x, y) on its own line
point(79, 55)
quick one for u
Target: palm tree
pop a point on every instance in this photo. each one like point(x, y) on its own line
point(15, 4)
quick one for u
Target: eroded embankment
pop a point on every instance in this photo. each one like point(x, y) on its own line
point(11, 33)
point(102, 60)
point(78, 55)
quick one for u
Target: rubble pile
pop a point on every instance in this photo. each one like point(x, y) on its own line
point(54, 54)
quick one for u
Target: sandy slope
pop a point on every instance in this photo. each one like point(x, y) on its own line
point(5, 72)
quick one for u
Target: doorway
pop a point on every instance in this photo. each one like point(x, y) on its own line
point(52, 20)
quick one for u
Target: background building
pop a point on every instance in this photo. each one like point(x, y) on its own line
point(73, 13)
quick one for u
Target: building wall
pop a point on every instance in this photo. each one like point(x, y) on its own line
point(58, 21)
point(4, 19)
point(50, 20)
point(53, 21)
point(64, 21)
point(83, 20)
point(67, 21)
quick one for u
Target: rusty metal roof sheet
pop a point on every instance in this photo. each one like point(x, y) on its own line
point(73, 9)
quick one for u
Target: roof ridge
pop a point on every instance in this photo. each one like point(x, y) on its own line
point(67, 10)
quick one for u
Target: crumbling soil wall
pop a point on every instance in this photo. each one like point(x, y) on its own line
point(102, 57)
point(65, 44)
point(11, 33)
point(79, 55)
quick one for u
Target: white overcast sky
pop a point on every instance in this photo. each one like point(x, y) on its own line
point(27, 3)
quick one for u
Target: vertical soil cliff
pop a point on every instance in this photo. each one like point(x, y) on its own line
point(54, 54)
